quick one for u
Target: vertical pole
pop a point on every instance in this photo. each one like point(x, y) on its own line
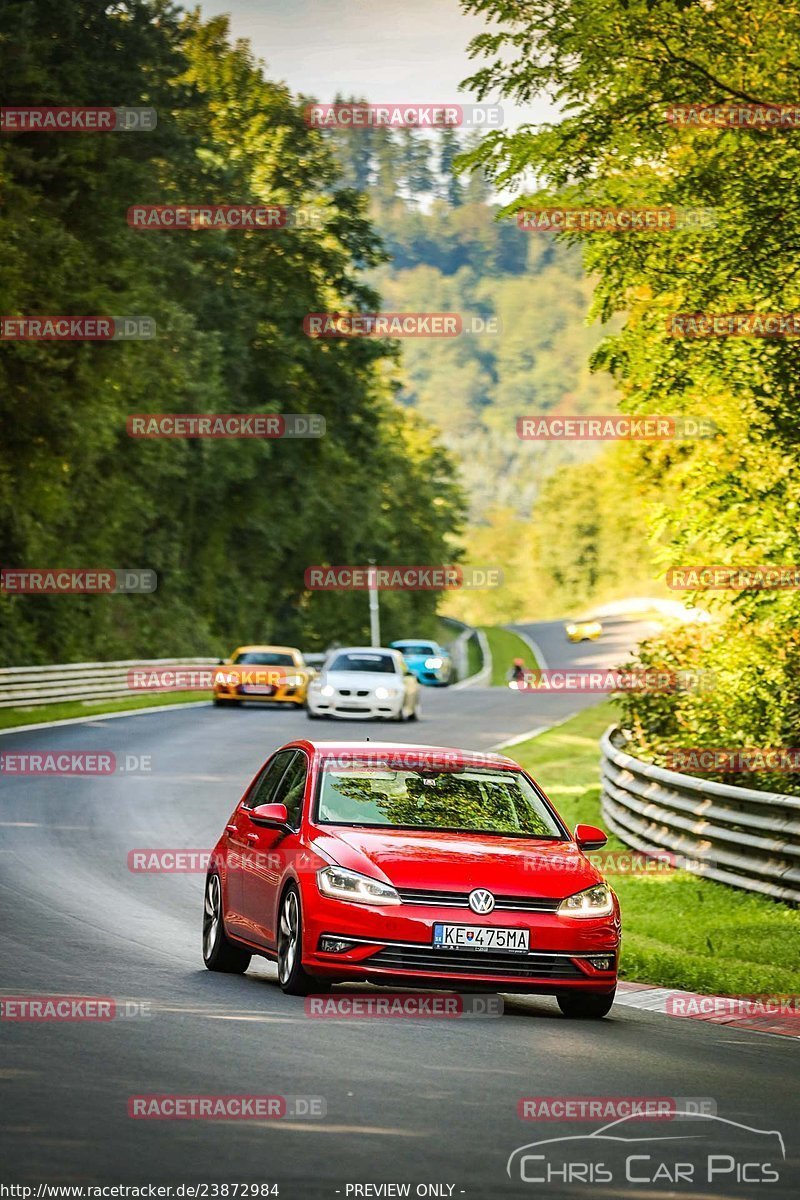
point(374, 611)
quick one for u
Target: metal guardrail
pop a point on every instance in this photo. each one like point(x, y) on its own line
point(24, 686)
point(739, 836)
point(460, 656)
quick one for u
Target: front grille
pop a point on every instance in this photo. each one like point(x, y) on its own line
point(349, 692)
point(461, 900)
point(457, 962)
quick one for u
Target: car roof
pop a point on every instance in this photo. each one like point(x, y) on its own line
point(420, 641)
point(451, 755)
point(272, 649)
point(363, 650)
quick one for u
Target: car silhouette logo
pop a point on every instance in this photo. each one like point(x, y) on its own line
point(481, 901)
point(627, 1131)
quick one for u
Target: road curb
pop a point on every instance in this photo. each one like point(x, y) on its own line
point(696, 1006)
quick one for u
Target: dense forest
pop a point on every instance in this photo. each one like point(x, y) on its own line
point(229, 526)
point(617, 72)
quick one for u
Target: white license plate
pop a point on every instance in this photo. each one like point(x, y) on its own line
point(258, 689)
point(479, 937)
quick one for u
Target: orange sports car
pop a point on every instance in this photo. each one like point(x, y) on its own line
point(273, 673)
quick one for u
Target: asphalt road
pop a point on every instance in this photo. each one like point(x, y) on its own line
point(418, 1102)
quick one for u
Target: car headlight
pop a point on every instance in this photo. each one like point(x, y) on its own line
point(433, 664)
point(341, 884)
point(293, 680)
point(385, 693)
point(572, 628)
point(595, 901)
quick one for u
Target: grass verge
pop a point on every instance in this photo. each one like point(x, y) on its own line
point(10, 718)
point(505, 647)
point(678, 930)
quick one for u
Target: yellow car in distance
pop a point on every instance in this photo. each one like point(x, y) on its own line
point(277, 674)
point(583, 631)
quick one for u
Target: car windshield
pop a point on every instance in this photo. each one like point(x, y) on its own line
point(417, 648)
point(363, 662)
point(264, 658)
point(468, 800)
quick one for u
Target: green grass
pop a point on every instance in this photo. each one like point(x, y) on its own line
point(474, 656)
point(10, 718)
point(505, 647)
point(678, 930)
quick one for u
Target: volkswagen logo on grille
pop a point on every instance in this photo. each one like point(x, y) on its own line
point(481, 901)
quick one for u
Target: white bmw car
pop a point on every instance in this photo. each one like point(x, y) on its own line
point(364, 681)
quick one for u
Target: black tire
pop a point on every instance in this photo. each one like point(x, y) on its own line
point(294, 980)
point(312, 716)
point(586, 1005)
point(219, 954)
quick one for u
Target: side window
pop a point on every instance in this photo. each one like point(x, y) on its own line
point(270, 777)
point(291, 788)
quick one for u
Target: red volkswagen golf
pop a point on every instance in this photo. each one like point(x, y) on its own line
point(414, 865)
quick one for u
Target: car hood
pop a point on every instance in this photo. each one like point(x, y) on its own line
point(358, 680)
point(460, 862)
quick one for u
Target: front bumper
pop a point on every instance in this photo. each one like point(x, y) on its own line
point(394, 943)
point(277, 694)
point(439, 678)
point(355, 707)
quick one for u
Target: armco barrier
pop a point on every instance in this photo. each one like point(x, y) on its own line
point(23, 686)
point(735, 835)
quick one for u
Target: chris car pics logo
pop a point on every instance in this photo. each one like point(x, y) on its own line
point(690, 1151)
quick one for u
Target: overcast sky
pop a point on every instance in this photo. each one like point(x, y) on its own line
point(406, 50)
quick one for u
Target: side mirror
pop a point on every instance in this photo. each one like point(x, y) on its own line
point(270, 814)
point(587, 837)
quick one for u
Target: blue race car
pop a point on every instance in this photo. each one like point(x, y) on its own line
point(431, 664)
